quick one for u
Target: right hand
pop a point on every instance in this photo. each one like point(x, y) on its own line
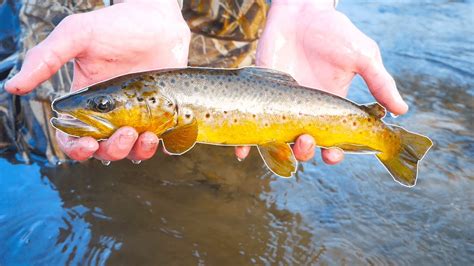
point(128, 37)
point(321, 48)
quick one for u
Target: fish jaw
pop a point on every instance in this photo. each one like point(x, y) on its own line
point(78, 124)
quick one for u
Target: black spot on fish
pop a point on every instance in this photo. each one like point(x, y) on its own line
point(213, 82)
point(140, 99)
point(220, 82)
point(173, 81)
point(208, 115)
point(266, 124)
point(205, 87)
point(283, 117)
point(162, 84)
point(354, 123)
point(187, 115)
point(196, 89)
point(229, 79)
point(152, 100)
point(225, 112)
point(186, 83)
point(235, 120)
point(254, 115)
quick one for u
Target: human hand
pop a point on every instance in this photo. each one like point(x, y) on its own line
point(128, 37)
point(321, 48)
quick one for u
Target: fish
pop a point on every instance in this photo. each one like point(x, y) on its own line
point(239, 107)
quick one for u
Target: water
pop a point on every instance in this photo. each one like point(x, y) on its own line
point(208, 208)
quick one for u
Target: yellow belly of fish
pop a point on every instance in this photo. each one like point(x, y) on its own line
point(332, 132)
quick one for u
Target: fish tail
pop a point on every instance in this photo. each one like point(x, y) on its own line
point(403, 165)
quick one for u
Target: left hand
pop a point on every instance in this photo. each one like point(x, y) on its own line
point(322, 49)
point(128, 37)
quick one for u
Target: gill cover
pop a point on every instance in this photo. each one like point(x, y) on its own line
point(182, 137)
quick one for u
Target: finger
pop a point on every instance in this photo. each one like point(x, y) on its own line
point(381, 84)
point(242, 152)
point(304, 148)
point(145, 147)
point(118, 146)
point(332, 156)
point(79, 149)
point(41, 62)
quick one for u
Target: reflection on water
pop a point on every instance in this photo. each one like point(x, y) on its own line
point(207, 208)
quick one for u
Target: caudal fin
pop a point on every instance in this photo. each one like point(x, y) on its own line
point(404, 165)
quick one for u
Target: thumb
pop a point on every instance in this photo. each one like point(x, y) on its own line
point(44, 60)
point(381, 84)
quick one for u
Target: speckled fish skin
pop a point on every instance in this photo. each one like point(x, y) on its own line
point(247, 106)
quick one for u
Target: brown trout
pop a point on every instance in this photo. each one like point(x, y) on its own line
point(246, 106)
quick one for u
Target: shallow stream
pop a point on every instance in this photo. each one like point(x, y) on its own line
point(207, 208)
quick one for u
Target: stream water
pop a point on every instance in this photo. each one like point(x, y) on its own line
point(207, 208)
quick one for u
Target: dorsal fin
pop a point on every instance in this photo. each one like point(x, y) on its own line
point(269, 74)
point(375, 109)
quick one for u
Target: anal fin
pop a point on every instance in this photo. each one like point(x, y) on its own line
point(279, 158)
point(180, 139)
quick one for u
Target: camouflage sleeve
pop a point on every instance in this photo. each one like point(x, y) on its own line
point(24, 120)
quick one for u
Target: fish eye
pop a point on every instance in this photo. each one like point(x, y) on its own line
point(103, 103)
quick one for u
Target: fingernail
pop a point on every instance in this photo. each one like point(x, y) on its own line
point(406, 105)
point(10, 88)
point(310, 147)
point(306, 145)
point(149, 144)
point(335, 156)
point(88, 145)
point(126, 139)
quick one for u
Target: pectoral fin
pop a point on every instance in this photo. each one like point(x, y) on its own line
point(279, 158)
point(181, 138)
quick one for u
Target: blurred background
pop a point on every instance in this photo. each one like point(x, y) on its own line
point(205, 207)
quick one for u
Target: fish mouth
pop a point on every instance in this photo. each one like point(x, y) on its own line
point(82, 125)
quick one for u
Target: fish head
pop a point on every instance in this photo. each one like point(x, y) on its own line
point(99, 111)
